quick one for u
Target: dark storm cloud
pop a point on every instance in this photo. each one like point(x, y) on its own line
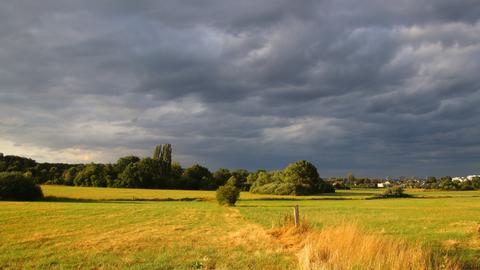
point(379, 88)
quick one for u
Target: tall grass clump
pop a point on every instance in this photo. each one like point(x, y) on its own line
point(348, 247)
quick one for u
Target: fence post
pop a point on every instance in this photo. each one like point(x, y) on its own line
point(296, 215)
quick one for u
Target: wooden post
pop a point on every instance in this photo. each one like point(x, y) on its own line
point(296, 215)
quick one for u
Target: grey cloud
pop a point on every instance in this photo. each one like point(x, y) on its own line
point(370, 86)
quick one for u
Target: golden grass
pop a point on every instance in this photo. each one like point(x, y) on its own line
point(100, 193)
point(347, 247)
point(133, 235)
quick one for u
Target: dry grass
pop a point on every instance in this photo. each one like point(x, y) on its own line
point(347, 247)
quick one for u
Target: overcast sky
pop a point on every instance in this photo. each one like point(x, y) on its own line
point(374, 87)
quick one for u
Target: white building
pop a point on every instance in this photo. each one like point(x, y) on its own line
point(462, 178)
point(385, 184)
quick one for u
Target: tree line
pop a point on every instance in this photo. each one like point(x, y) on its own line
point(431, 182)
point(159, 171)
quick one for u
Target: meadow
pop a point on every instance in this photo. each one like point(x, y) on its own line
point(103, 228)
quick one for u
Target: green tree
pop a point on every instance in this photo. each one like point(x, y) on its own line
point(69, 175)
point(166, 160)
point(299, 178)
point(157, 152)
point(163, 154)
point(476, 182)
point(304, 176)
point(446, 183)
point(252, 177)
point(198, 177)
point(241, 176)
point(123, 162)
point(149, 173)
point(90, 175)
point(177, 170)
point(221, 176)
point(130, 177)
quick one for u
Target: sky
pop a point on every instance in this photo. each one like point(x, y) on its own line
point(373, 87)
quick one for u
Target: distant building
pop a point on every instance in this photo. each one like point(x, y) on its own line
point(385, 184)
point(465, 178)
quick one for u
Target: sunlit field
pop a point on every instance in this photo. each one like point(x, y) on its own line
point(129, 235)
point(92, 193)
point(104, 228)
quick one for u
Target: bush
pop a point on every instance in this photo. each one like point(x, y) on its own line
point(304, 176)
point(394, 192)
point(228, 194)
point(18, 187)
point(299, 178)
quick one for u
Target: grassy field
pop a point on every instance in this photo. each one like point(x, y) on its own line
point(91, 193)
point(102, 228)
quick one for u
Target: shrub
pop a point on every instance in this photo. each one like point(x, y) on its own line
point(299, 178)
point(18, 187)
point(228, 194)
point(395, 192)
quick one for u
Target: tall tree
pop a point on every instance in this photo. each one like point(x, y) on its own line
point(351, 179)
point(166, 159)
point(157, 151)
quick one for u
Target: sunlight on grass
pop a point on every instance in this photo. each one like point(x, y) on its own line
point(114, 229)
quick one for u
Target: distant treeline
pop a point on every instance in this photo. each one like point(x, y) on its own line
point(442, 183)
point(159, 171)
point(446, 183)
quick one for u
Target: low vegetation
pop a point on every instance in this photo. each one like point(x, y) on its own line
point(228, 194)
point(345, 246)
point(394, 192)
point(348, 247)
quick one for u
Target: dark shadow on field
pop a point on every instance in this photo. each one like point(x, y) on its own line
point(324, 197)
point(353, 194)
point(298, 199)
point(119, 200)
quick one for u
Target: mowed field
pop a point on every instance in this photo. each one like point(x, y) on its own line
point(102, 228)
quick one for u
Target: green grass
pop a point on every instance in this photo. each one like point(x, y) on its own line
point(92, 193)
point(438, 222)
point(127, 235)
point(103, 228)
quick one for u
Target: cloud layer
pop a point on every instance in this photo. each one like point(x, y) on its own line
point(365, 86)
